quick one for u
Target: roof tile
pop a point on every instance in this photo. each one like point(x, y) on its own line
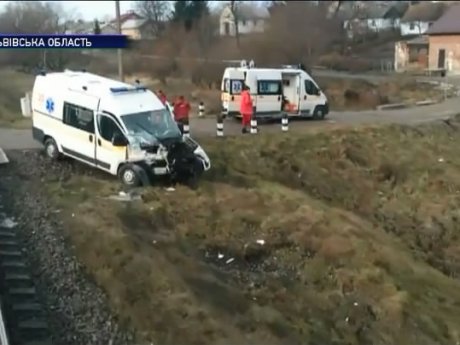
point(449, 23)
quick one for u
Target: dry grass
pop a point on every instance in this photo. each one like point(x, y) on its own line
point(343, 93)
point(13, 86)
point(364, 95)
point(361, 242)
point(359, 94)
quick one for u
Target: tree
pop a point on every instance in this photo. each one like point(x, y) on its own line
point(314, 34)
point(189, 12)
point(27, 17)
point(97, 27)
point(234, 8)
point(156, 13)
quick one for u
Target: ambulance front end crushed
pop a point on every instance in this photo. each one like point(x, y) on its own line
point(179, 159)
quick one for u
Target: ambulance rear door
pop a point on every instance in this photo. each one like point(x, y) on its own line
point(232, 85)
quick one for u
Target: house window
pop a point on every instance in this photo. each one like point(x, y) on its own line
point(411, 26)
point(79, 117)
point(373, 22)
point(227, 28)
point(243, 22)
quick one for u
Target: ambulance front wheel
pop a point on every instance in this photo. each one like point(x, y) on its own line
point(319, 113)
point(129, 176)
point(51, 149)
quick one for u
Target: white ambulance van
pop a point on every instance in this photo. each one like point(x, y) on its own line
point(274, 91)
point(120, 128)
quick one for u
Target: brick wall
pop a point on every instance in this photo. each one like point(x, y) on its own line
point(451, 44)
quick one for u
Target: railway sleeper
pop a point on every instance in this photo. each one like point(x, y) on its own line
point(25, 317)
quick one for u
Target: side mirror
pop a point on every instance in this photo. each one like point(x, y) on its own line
point(119, 139)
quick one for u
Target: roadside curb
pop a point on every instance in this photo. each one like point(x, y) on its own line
point(395, 106)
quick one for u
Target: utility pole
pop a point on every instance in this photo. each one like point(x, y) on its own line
point(120, 54)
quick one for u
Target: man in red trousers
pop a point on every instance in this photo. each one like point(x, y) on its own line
point(245, 109)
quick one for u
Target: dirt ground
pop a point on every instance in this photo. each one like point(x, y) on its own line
point(343, 94)
point(353, 239)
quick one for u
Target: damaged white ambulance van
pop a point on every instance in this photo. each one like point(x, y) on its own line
point(122, 129)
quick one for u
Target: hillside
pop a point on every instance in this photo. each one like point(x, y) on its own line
point(346, 236)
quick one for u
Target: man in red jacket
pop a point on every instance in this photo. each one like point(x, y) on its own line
point(162, 97)
point(245, 109)
point(181, 112)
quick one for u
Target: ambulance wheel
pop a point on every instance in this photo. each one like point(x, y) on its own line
point(318, 113)
point(51, 149)
point(128, 176)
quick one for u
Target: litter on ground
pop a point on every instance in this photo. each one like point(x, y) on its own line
point(122, 196)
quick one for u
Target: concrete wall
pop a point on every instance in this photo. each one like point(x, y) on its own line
point(401, 56)
point(451, 44)
point(410, 57)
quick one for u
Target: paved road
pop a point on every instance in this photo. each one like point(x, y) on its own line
point(11, 139)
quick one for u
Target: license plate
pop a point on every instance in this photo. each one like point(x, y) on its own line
point(160, 171)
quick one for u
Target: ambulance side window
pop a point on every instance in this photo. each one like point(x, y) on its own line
point(269, 87)
point(107, 127)
point(226, 85)
point(310, 88)
point(78, 117)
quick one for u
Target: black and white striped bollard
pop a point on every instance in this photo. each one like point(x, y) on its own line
point(186, 127)
point(285, 122)
point(220, 125)
point(254, 124)
point(201, 109)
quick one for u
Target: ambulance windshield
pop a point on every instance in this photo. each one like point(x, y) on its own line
point(151, 125)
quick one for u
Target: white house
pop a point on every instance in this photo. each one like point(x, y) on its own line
point(109, 29)
point(250, 19)
point(419, 17)
point(373, 17)
point(79, 27)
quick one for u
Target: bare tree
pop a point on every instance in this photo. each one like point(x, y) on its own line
point(314, 34)
point(156, 13)
point(205, 34)
point(36, 17)
point(235, 9)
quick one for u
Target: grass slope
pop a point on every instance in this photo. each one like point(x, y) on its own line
point(360, 230)
point(13, 86)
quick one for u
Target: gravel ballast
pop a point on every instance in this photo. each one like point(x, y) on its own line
point(77, 309)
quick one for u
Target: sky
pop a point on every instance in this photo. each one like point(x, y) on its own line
point(90, 10)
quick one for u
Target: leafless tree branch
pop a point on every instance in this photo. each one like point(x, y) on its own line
point(156, 13)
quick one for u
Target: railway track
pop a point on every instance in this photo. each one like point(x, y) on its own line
point(22, 317)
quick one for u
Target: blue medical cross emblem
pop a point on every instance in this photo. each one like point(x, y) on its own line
point(49, 105)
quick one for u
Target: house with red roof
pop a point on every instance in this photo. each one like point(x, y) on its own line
point(129, 15)
point(444, 42)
